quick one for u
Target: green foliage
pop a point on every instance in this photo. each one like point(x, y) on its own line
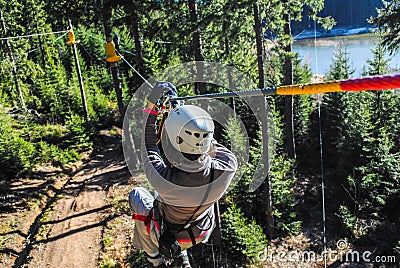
point(244, 240)
point(348, 218)
point(16, 153)
point(301, 73)
point(24, 145)
point(378, 178)
point(240, 193)
point(80, 133)
point(341, 65)
point(388, 20)
point(378, 65)
point(282, 182)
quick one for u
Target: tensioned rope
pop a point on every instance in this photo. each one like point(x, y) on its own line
point(34, 49)
point(320, 98)
point(30, 35)
point(315, 46)
point(144, 79)
point(322, 179)
point(123, 58)
point(380, 82)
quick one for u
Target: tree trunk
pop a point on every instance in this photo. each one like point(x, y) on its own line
point(14, 68)
point(258, 30)
point(267, 213)
point(41, 47)
point(289, 115)
point(107, 12)
point(135, 31)
point(197, 47)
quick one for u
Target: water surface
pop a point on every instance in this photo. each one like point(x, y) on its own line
point(358, 48)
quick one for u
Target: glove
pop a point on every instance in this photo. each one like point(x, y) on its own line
point(162, 88)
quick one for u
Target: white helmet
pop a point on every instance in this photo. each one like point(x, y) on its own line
point(190, 129)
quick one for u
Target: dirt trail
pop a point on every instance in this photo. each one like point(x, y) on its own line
point(73, 229)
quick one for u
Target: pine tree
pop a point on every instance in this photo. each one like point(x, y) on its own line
point(379, 172)
point(336, 113)
point(388, 20)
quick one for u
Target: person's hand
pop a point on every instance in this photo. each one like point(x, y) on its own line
point(162, 88)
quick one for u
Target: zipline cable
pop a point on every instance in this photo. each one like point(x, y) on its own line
point(144, 79)
point(123, 58)
point(34, 49)
point(320, 99)
point(58, 38)
point(322, 177)
point(315, 46)
point(30, 35)
point(381, 82)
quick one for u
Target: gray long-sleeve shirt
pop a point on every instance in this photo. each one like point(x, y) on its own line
point(182, 184)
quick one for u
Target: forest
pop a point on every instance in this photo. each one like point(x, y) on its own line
point(334, 172)
point(353, 13)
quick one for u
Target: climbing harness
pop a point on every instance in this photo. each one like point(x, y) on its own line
point(168, 231)
point(169, 246)
point(145, 219)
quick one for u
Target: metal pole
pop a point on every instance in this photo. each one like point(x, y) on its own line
point(78, 70)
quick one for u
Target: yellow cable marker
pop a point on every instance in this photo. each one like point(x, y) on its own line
point(111, 53)
point(71, 37)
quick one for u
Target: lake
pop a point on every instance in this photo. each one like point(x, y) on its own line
point(358, 46)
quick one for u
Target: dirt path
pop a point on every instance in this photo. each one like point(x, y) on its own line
point(71, 232)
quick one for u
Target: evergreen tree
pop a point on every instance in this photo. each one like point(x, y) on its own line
point(336, 113)
point(341, 65)
point(388, 20)
point(379, 171)
point(378, 65)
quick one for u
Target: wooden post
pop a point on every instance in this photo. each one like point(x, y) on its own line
point(14, 68)
point(78, 70)
point(118, 88)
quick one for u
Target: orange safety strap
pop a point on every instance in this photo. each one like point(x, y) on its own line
point(145, 219)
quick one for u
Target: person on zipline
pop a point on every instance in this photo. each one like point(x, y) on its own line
point(195, 174)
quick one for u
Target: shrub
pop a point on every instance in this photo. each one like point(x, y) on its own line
point(282, 182)
point(16, 154)
point(80, 133)
point(245, 240)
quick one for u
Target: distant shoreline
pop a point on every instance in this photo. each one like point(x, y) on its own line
point(335, 33)
point(333, 40)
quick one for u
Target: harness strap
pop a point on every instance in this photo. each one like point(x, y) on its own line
point(145, 219)
point(191, 234)
point(184, 226)
point(187, 226)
